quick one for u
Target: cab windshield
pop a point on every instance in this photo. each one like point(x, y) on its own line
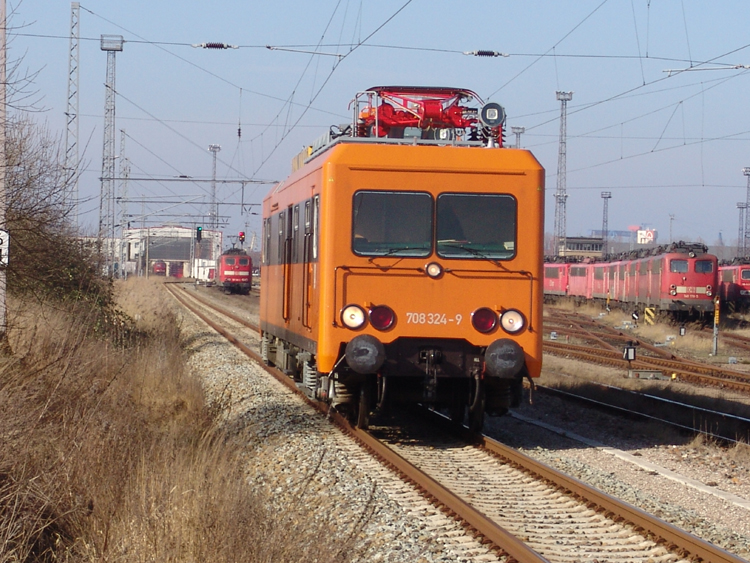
point(392, 223)
point(465, 225)
point(476, 226)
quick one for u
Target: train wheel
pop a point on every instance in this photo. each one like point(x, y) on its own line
point(363, 407)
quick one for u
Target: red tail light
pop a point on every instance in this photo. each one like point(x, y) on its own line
point(382, 317)
point(484, 320)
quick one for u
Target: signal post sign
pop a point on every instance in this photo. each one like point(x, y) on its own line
point(646, 236)
point(4, 247)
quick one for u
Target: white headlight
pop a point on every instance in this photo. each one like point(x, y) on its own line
point(353, 316)
point(434, 270)
point(512, 321)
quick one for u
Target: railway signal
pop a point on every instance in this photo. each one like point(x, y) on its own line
point(242, 236)
point(198, 233)
point(628, 353)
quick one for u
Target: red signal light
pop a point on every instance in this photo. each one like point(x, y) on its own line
point(242, 236)
point(382, 317)
point(484, 320)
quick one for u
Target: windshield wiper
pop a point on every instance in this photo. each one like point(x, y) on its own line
point(393, 251)
point(470, 250)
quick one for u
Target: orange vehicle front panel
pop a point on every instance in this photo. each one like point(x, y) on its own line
point(303, 298)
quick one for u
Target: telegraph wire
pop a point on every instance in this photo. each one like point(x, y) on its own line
point(292, 47)
point(183, 59)
point(637, 39)
point(183, 137)
point(579, 24)
point(335, 66)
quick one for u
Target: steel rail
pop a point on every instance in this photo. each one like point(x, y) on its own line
point(684, 370)
point(673, 536)
point(718, 425)
point(431, 489)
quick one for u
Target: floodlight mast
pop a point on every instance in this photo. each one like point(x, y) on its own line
point(561, 196)
point(71, 134)
point(111, 44)
point(606, 196)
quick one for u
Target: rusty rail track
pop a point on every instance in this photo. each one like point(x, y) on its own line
point(604, 353)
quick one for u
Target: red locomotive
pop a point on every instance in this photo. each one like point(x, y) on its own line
point(159, 268)
point(735, 283)
point(678, 278)
point(235, 271)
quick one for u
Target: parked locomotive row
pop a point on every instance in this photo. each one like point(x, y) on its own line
point(735, 283)
point(680, 279)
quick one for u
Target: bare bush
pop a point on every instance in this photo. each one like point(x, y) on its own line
point(48, 259)
point(110, 453)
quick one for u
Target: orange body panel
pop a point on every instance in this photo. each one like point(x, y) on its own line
point(302, 302)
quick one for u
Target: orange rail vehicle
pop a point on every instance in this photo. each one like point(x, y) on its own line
point(402, 260)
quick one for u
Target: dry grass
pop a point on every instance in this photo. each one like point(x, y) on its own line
point(110, 452)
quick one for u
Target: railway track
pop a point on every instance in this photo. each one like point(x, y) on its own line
point(603, 351)
point(727, 428)
point(524, 509)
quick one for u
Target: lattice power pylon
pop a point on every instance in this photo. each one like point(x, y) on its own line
point(560, 195)
point(111, 44)
point(71, 134)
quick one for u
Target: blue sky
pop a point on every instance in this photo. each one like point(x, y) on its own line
point(665, 144)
